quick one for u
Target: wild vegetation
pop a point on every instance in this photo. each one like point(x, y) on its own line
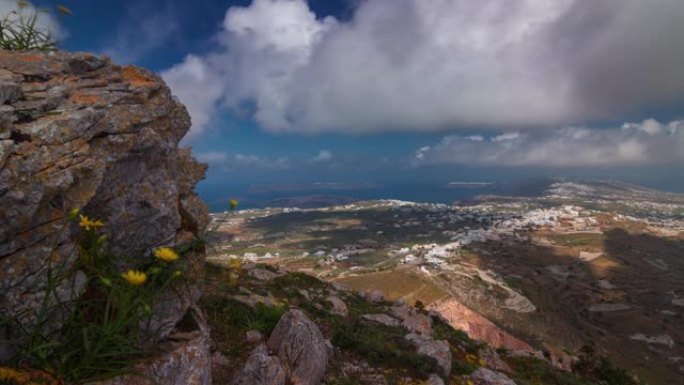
point(94, 320)
point(20, 29)
point(236, 303)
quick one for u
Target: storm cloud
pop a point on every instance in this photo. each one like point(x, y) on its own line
point(422, 65)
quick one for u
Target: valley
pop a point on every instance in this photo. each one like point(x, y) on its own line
point(588, 265)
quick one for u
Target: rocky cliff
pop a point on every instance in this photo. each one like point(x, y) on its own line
point(79, 132)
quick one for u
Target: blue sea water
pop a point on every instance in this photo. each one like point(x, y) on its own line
point(316, 195)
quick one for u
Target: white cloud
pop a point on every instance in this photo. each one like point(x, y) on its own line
point(46, 21)
point(437, 64)
point(649, 142)
point(322, 156)
point(212, 157)
point(198, 87)
point(243, 162)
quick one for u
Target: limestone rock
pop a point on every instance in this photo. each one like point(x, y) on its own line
point(254, 336)
point(435, 380)
point(484, 376)
point(77, 131)
point(301, 348)
point(412, 320)
point(260, 369)
point(339, 307)
point(381, 319)
point(263, 274)
point(186, 361)
point(439, 350)
point(493, 360)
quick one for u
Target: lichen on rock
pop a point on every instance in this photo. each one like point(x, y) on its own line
point(77, 131)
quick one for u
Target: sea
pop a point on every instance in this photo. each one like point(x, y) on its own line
point(310, 195)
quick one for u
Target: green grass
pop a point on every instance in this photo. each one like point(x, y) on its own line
point(19, 30)
point(384, 346)
point(532, 371)
point(578, 240)
point(230, 320)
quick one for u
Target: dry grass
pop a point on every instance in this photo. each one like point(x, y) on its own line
point(399, 283)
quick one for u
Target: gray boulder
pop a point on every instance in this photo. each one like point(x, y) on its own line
point(383, 319)
point(439, 350)
point(301, 348)
point(484, 376)
point(339, 307)
point(260, 369)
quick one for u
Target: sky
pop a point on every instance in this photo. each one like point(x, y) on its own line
point(409, 90)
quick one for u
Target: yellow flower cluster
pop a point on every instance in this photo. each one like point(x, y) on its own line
point(233, 204)
point(135, 277)
point(9, 374)
point(88, 224)
point(17, 377)
point(166, 254)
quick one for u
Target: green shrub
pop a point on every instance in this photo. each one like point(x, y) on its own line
point(599, 369)
point(383, 346)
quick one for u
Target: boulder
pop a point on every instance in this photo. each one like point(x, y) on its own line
point(301, 348)
point(439, 350)
point(418, 323)
point(254, 336)
point(339, 307)
point(263, 274)
point(484, 376)
point(383, 319)
point(435, 380)
point(493, 360)
point(260, 369)
point(185, 360)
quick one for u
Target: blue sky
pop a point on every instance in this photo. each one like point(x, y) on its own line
point(411, 90)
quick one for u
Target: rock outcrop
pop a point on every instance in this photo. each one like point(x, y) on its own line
point(439, 350)
point(260, 369)
point(484, 376)
point(77, 131)
point(301, 348)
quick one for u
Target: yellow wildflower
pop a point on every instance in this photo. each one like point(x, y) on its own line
point(233, 204)
point(87, 223)
point(33, 377)
point(9, 374)
point(135, 277)
point(166, 254)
